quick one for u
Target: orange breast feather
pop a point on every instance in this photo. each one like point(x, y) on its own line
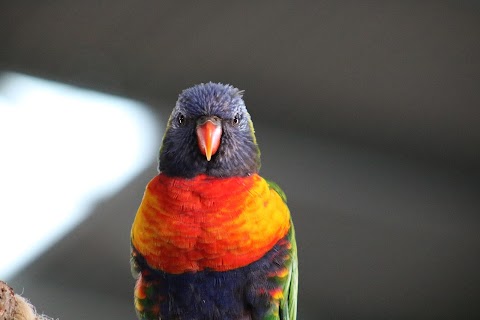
point(208, 223)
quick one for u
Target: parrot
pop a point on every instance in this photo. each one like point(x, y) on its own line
point(212, 239)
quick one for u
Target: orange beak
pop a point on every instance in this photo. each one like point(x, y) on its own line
point(209, 133)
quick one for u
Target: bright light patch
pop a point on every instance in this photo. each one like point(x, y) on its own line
point(61, 149)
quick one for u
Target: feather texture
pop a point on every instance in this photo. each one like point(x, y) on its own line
point(212, 239)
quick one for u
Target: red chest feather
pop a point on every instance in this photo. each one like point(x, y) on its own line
point(204, 222)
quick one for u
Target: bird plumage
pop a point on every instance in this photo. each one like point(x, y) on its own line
point(212, 239)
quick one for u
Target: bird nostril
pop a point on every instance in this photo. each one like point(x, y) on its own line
point(214, 119)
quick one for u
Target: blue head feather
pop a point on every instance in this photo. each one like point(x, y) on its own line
point(238, 153)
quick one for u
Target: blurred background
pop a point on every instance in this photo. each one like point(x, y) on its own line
point(367, 115)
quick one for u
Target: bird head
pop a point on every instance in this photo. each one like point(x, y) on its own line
point(209, 132)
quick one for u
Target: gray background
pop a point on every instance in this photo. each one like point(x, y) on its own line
point(367, 115)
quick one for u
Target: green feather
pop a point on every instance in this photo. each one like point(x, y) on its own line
point(277, 188)
point(288, 305)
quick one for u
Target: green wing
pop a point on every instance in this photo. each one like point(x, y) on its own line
point(279, 190)
point(288, 305)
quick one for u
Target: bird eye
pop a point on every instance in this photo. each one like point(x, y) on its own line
point(236, 119)
point(181, 119)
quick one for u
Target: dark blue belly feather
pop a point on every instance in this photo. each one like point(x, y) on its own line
point(236, 294)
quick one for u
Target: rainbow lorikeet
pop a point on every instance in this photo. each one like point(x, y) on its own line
point(212, 239)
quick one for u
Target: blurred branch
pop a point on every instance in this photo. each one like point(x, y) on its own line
point(15, 307)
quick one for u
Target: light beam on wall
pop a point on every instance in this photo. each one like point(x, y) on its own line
point(61, 149)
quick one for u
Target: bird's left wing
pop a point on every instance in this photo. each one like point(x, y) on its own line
point(288, 305)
